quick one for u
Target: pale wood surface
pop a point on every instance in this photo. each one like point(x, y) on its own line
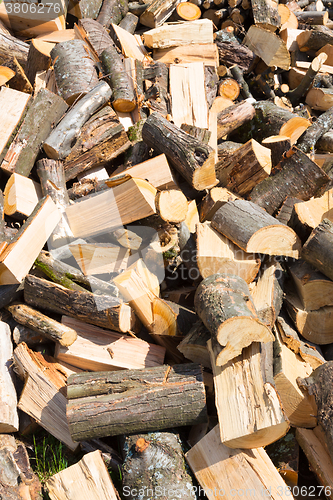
point(268, 46)
point(21, 195)
point(175, 34)
point(130, 44)
point(94, 258)
point(13, 104)
point(8, 400)
point(205, 52)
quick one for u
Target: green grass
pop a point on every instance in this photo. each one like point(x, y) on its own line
point(49, 457)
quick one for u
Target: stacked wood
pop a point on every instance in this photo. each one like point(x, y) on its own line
point(8, 399)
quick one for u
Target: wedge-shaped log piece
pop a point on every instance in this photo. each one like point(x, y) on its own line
point(317, 249)
point(158, 12)
point(314, 39)
point(217, 254)
point(294, 128)
point(254, 230)
point(18, 257)
point(13, 104)
point(194, 345)
point(43, 396)
point(42, 324)
point(267, 45)
point(98, 258)
point(204, 52)
point(288, 366)
point(245, 168)
point(254, 416)
point(193, 159)
point(233, 117)
point(101, 310)
point(160, 398)
point(129, 44)
point(107, 350)
point(128, 202)
point(278, 144)
point(213, 200)
point(21, 195)
point(224, 304)
point(229, 472)
point(309, 214)
point(315, 326)
point(173, 35)
point(59, 143)
point(319, 99)
point(38, 58)
point(314, 289)
point(88, 479)
point(8, 399)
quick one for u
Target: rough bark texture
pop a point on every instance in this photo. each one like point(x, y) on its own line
point(135, 400)
point(154, 462)
point(298, 176)
point(193, 159)
point(102, 310)
point(278, 146)
point(129, 22)
point(231, 118)
point(232, 52)
point(112, 11)
point(158, 12)
point(74, 70)
point(11, 46)
point(96, 34)
point(323, 124)
point(316, 38)
point(318, 248)
point(37, 61)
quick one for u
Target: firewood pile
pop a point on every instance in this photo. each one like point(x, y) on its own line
point(166, 263)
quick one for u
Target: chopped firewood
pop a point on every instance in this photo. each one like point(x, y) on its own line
point(8, 399)
point(157, 12)
point(13, 104)
point(190, 32)
point(112, 12)
point(294, 128)
point(5, 74)
point(85, 9)
point(127, 352)
point(43, 394)
point(268, 46)
point(230, 219)
point(257, 418)
point(12, 47)
point(316, 249)
point(278, 144)
point(42, 324)
point(87, 479)
point(213, 200)
point(17, 259)
point(130, 45)
point(229, 88)
point(184, 54)
point(194, 345)
point(171, 205)
point(229, 472)
point(97, 258)
point(39, 58)
point(233, 52)
point(313, 288)
point(21, 195)
point(100, 310)
point(224, 304)
point(155, 399)
point(289, 23)
point(217, 254)
point(129, 23)
point(233, 117)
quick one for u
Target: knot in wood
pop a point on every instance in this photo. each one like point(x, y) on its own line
point(141, 445)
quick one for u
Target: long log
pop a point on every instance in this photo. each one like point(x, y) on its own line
point(233, 117)
point(59, 143)
point(317, 249)
point(112, 12)
point(8, 400)
point(96, 34)
point(323, 124)
point(100, 310)
point(193, 159)
point(224, 304)
point(158, 398)
point(11, 47)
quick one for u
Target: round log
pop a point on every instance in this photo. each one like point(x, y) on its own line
point(171, 205)
point(112, 12)
point(317, 250)
point(129, 22)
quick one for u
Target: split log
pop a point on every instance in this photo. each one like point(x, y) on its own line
point(112, 209)
point(190, 32)
point(129, 22)
point(233, 52)
point(20, 254)
point(157, 12)
point(74, 70)
point(130, 45)
point(265, 15)
point(100, 310)
point(318, 384)
point(225, 472)
point(38, 58)
point(160, 390)
point(101, 139)
point(85, 479)
point(268, 46)
point(193, 159)
point(123, 98)
point(13, 104)
point(43, 395)
point(107, 350)
point(21, 195)
point(224, 305)
point(163, 450)
point(298, 176)
point(213, 200)
point(200, 133)
point(194, 345)
point(245, 168)
point(206, 53)
point(312, 18)
point(59, 143)
point(316, 249)
point(112, 12)
point(11, 47)
point(323, 124)
point(278, 144)
point(93, 32)
point(99, 258)
point(288, 366)
point(254, 220)
point(233, 117)
point(42, 324)
point(315, 326)
point(8, 400)
point(217, 254)
point(296, 94)
point(294, 128)
point(313, 288)
point(254, 418)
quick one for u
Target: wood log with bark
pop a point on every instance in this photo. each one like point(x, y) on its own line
point(313, 288)
point(9, 421)
point(315, 250)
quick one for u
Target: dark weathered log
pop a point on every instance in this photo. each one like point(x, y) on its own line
point(254, 230)
point(163, 452)
point(315, 39)
point(296, 94)
point(193, 159)
point(11, 47)
point(101, 310)
point(42, 324)
point(74, 70)
point(317, 250)
point(112, 12)
point(265, 15)
point(312, 18)
point(44, 112)
point(323, 124)
point(298, 176)
point(224, 304)
point(9, 293)
point(278, 144)
point(158, 12)
point(123, 98)
point(60, 142)
point(231, 118)
point(237, 74)
point(285, 212)
point(102, 138)
point(96, 34)
point(194, 345)
point(129, 22)
point(24, 334)
point(325, 143)
point(153, 399)
point(232, 52)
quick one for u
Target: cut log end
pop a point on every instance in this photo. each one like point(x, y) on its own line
point(172, 205)
point(188, 11)
point(205, 178)
point(263, 437)
point(275, 240)
point(123, 105)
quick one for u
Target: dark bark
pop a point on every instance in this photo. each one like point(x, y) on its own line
point(158, 12)
point(232, 118)
point(237, 74)
point(112, 12)
point(135, 400)
point(194, 345)
point(96, 34)
point(202, 134)
point(323, 124)
point(278, 146)
point(232, 52)
point(317, 250)
point(316, 38)
point(11, 47)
